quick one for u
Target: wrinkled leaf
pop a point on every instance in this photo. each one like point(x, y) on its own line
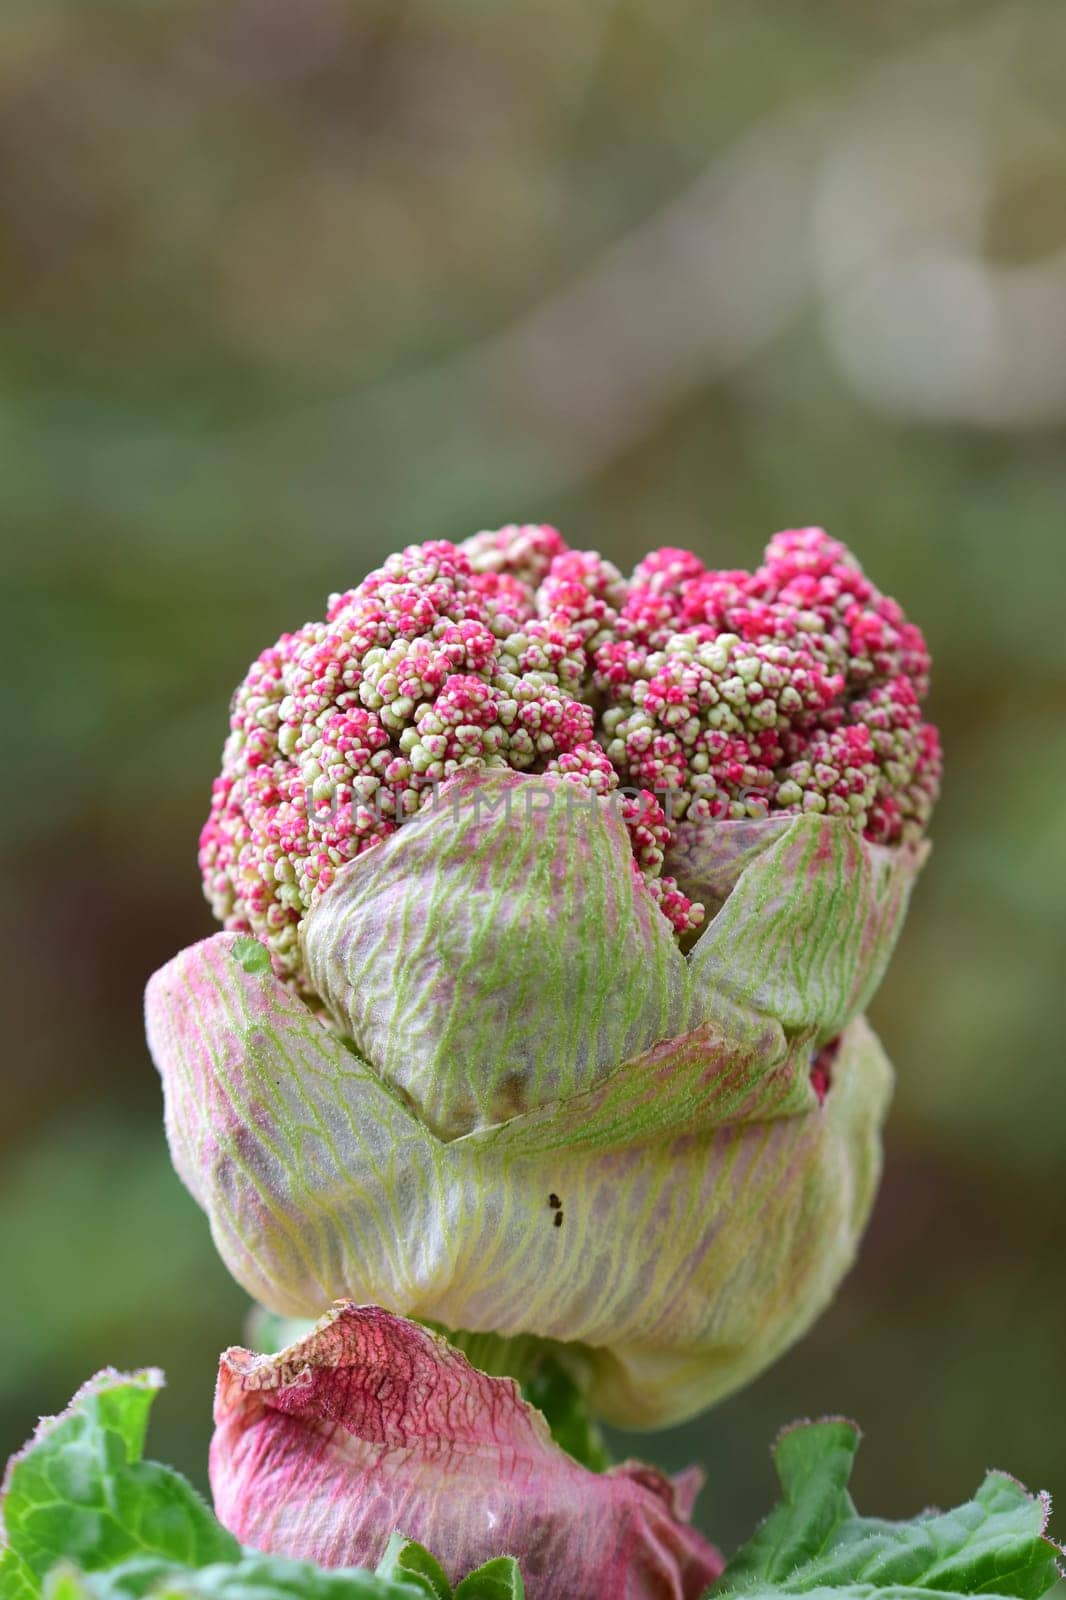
point(681, 1262)
point(374, 1421)
point(498, 953)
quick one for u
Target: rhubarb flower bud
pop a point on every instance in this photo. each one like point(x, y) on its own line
point(531, 1053)
point(372, 1423)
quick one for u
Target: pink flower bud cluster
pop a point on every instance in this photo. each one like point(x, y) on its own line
point(794, 688)
point(443, 658)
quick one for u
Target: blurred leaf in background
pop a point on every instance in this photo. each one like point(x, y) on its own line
point(287, 284)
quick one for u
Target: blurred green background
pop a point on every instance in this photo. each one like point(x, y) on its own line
point(289, 283)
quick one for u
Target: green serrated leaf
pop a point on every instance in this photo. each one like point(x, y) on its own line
point(254, 1577)
point(814, 1543)
point(814, 1465)
point(404, 1558)
point(80, 1491)
point(496, 1580)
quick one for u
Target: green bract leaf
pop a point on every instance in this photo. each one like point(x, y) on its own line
point(815, 1543)
point(556, 1124)
point(809, 924)
point(499, 954)
point(80, 1490)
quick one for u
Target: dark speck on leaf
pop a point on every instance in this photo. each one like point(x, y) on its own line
point(554, 1202)
point(558, 1219)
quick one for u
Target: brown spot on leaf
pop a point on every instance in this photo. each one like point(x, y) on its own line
point(512, 1095)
